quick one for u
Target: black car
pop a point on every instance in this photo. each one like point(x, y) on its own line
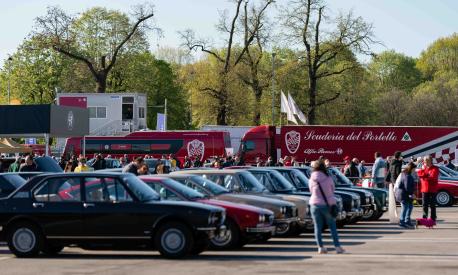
point(102, 211)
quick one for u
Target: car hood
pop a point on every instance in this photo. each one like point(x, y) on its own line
point(258, 199)
point(189, 204)
point(233, 205)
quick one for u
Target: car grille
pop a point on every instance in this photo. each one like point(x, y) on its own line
point(269, 218)
point(357, 203)
point(291, 212)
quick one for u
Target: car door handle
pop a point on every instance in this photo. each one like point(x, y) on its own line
point(38, 204)
point(86, 205)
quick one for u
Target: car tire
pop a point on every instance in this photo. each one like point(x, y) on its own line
point(377, 215)
point(25, 240)
point(174, 240)
point(52, 249)
point(443, 198)
point(229, 240)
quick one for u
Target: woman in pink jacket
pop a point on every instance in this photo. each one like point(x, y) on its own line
point(320, 203)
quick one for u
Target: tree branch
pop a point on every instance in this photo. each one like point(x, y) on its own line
point(328, 100)
point(327, 73)
point(77, 57)
point(127, 38)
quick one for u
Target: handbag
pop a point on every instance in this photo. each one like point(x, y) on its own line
point(333, 210)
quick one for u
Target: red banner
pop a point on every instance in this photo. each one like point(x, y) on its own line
point(336, 142)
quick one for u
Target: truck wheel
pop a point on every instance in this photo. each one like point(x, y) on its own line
point(174, 240)
point(443, 198)
point(24, 240)
point(229, 239)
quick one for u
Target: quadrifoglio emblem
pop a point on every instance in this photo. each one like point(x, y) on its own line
point(196, 148)
point(292, 140)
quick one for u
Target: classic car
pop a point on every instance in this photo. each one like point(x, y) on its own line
point(294, 184)
point(241, 181)
point(283, 210)
point(244, 223)
point(103, 211)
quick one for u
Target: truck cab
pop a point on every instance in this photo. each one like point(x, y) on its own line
point(258, 142)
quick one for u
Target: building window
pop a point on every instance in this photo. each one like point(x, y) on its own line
point(97, 112)
point(141, 112)
point(128, 99)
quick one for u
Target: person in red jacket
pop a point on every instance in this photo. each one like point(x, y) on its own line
point(429, 176)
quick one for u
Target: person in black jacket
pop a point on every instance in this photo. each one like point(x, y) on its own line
point(351, 171)
point(405, 194)
point(395, 167)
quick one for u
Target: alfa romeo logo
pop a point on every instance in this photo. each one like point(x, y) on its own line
point(70, 120)
point(196, 148)
point(292, 140)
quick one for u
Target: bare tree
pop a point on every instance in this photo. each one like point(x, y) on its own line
point(255, 22)
point(304, 21)
point(56, 31)
point(226, 59)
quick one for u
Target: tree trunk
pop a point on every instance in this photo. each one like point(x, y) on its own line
point(312, 102)
point(257, 106)
point(101, 82)
point(222, 113)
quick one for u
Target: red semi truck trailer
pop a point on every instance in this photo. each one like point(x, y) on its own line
point(202, 144)
point(335, 142)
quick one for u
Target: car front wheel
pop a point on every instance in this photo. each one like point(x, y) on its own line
point(24, 240)
point(174, 240)
point(443, 198)
point(229, 239)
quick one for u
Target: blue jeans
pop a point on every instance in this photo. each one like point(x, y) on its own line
point(406, 211)
point(320, 215)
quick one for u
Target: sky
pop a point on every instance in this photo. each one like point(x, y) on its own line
point(407, 26)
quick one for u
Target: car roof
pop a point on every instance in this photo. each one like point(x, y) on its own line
point(212, 171)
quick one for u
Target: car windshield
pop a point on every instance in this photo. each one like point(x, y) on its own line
point(250, 183)
point(339, 177)
point(15, 180)
point(47, 164)
point(141, 190)
point(209, 185)
point(281, 184)
point(185, 191)
point(300, 179)
point(449, 171)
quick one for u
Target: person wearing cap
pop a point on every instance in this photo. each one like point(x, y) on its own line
point(322, 188)
point(82, 167)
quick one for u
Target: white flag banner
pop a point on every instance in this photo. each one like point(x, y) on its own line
point(286, 108)
point(295, 109)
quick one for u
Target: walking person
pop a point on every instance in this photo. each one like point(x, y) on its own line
point(321, 203)
point(379, 171)
point(405, 190)
point(429, 177)
point(394, 170)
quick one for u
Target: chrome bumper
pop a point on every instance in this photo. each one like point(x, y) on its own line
point(266, 229)
point(288, 220)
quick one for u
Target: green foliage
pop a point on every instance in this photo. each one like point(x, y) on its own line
point(441, 55)
point(393, 70)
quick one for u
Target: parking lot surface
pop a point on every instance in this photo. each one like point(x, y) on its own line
point(373, 248)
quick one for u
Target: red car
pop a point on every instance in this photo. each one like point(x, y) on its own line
point(447, 191)
point(244, 223)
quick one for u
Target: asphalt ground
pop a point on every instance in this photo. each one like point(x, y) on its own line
point(373, 248)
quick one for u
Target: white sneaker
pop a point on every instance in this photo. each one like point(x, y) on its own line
point(322, 250)
point(340, 250)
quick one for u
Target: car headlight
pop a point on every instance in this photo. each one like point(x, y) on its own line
point(352, 203)
point(262, 218)
point(368, 200)
point(283, 209)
